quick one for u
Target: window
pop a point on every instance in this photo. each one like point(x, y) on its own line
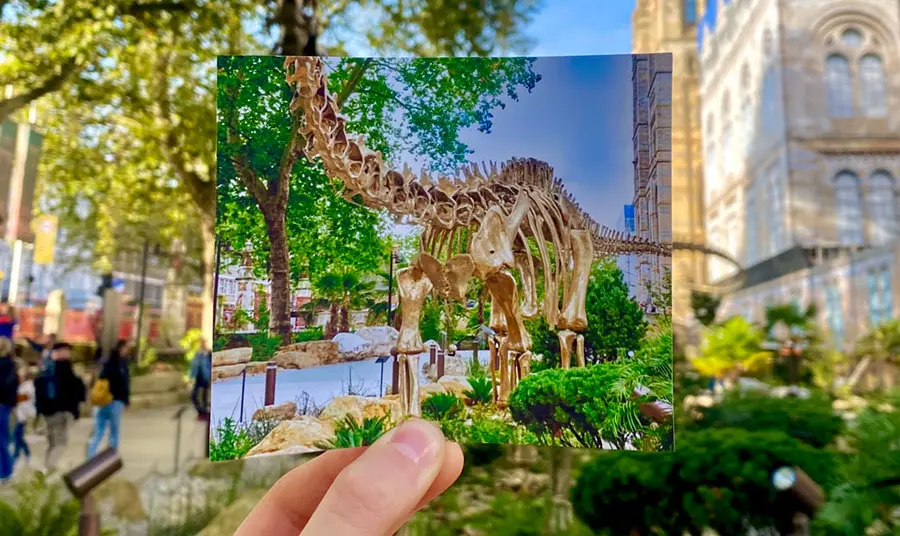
point(769, 101)
point(690, 11)
point(872, 86)
point(882, 208)
point(833, 314)
point(880, 300)
point(851, 38)
point(746, 109)
point(848, 210)
point(727, 149)
point(840, 86)
point(750, 230)
point(776, 213)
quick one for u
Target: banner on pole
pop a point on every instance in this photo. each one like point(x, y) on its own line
point(44, 239)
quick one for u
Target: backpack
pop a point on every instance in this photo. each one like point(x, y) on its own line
point(46, 390)
point(100, 394)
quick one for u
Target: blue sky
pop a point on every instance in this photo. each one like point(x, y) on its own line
point(583, 27)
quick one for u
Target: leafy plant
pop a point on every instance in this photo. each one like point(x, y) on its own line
point(312, 333)
point(441, 406)
point(230, 442)
point(264, 345)
point(190, 343)
point(349, 432)
point(487, 430)
point(732, 349)
point(482, 391)
point(40, 508)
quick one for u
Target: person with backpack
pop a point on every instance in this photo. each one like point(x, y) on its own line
point(201, 373)
point(9, 387)
point(59, 393)
point(110, 396)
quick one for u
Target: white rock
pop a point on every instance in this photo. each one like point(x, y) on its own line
point(351, 345)
point(381, 339)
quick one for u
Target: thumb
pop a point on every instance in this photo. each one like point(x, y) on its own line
point(380, 490)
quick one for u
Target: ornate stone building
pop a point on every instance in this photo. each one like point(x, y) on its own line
point(651, 76)
point(801, 115)
point(670, 26)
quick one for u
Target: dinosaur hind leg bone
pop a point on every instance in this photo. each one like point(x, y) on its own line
point(502, 287)
point(414, 287)
point(573, 317)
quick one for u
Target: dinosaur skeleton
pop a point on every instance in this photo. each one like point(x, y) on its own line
point(483, 223)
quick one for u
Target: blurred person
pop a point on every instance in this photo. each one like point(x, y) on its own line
point(371, 491)
point(9, 387)
point(43, 346)
point(201, 373)
point(59, 393)
point(114, 372)
point(25, 412)
point(7, 320)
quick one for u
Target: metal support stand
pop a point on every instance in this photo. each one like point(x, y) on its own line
point(88, 520)
point(271, 372)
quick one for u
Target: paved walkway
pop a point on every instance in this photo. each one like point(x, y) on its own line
point(147, 443)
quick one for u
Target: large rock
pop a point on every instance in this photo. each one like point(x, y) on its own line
point(360, 408)
point(235, 356)
point(303, 431)
point(157, 382)
point(428, 389)
point(380, 338)
point(125, 499)
point(296, 450)
point(454, 365)
point(281, 412)
point(352, 347)
point(228, 520)
point(307, 354)
point(158, 400)
point(227, 371)
point(457, 385)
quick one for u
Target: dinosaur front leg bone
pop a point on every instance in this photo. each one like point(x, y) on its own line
point(414, 287)
point(579, 350)
point(504, 375)
point(566, 338)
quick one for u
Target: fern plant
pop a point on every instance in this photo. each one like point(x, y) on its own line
point(231, 442)
point(442, 406)
point(481, 391)
point(349, 432)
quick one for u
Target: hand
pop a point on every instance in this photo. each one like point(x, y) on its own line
point(369, 491)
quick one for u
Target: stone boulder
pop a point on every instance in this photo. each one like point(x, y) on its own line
point(157, 382)
point(256, 367)
point(352, 347)
point(303, 431)
point(281, 412)
point(296, 450)
point(307, 354)
point(457, 385)
point(228, 520)
point(454, 365)
point(380, 338)
point(428, 389)
point(360, 408)
point(235, 356)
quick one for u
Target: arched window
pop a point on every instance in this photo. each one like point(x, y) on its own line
point(872, 86)
point(840, 86)
point(851, 38)
point(746, 109)
point(727, 148)
point(769, 100)
point(882, 203)
point(848, 209)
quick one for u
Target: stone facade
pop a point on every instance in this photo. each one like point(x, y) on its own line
point(670, 26)
point(799, 101)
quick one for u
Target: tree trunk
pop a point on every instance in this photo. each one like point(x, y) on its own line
point(279, 262)
point(208, 230)
point(345, 320)
point(331, 326)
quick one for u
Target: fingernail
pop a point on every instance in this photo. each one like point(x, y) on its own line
point(418, 440)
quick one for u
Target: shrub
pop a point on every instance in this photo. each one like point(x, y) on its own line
point(481, 391)
point(230, 442)
point(487, 431)
point(190, 343)
point(811, 420)
point(592, 405)
point(39, 508)
point(350, 433)
point(441, 406)
point(314, 333)
point(717, 478)
point(264, 346)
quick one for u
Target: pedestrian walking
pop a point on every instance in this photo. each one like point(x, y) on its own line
point(201, 373)
point(59, 393)
point(9, 386)
point(110, 396)
point(25, 412)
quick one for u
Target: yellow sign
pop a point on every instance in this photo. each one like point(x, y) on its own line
point(44, 239)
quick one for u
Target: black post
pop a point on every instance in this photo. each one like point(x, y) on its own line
point(382, 379)
point(141, 296)
point(390, 315)
point(216, 286)
point(243, 388)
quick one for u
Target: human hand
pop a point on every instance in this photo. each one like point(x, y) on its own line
point(369, 491)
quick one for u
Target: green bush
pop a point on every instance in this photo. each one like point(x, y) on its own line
point(314, 333)
point(810, 420)
point(481, 391)
point(441, 406)
point(264, 346)
point(578, 407)
point(349, 432)
point(39, 508)
point(230, 442)
point(717, 478)
point(487, 431)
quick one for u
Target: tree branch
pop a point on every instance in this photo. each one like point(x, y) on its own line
point(355, 78)
point(50, 85)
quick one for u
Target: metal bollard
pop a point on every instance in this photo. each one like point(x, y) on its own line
point(432, 354)
point(440, 364)
point(271, 372)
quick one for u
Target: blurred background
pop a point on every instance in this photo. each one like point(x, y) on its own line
point(785, 137)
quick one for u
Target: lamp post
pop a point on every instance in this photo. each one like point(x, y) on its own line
point(390, 303)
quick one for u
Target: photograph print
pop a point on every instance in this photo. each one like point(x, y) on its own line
point(481, 242)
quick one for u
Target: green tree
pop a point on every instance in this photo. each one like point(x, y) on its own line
point(705, 306)
point(341, 294)
point(732, 349)
point(614, 319)
point(259, 140)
